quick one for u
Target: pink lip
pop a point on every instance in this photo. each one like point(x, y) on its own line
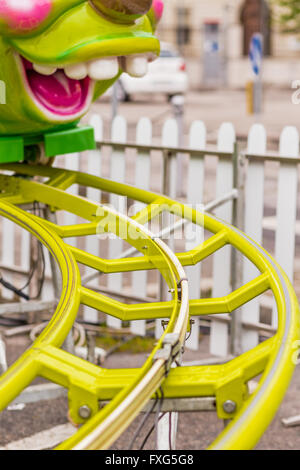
point(58, 93)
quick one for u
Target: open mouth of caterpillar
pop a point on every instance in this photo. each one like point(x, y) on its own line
point(67, 92)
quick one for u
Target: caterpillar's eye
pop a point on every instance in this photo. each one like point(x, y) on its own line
point(123, 10)
point(24, 15)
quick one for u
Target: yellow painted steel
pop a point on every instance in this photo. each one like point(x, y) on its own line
point(129, 390)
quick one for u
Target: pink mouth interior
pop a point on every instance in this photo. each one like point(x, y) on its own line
point(58, 93)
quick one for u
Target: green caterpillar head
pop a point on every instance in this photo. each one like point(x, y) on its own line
point(58, 56)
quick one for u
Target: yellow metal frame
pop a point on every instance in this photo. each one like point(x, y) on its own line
point(129, 390)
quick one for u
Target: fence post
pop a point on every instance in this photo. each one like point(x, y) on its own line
point(287, 205)
point(167, 425)
point(254, 212)
point(287, 202)
point(219, 339)
point(8, 252)
point(178, 102)
point(25, 254)
point(117, 173)
point(92, 243)
point(169, 140)
point(72, 162)
point(3, 361)
point(236, 257)
point(195, 193)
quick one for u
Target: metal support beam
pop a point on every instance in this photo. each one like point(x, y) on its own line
point(236, 258)
point(57, 279)
point(44, 392)
point(3, 362)
point(22, 307)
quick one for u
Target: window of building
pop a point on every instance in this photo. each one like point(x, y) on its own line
point(183, 30)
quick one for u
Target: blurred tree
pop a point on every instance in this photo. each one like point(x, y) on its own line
point(255, 16)
point(290, 15)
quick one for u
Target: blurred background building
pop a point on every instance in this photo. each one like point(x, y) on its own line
point(215, 36)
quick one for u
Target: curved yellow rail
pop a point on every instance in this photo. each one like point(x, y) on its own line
point(129, 390)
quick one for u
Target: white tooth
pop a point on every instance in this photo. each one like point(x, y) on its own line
point(44, 69)
point(136, 66)
point(76, 71)
point(103, 69)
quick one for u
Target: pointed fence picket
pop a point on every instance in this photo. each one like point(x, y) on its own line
point(72, 162)
point(285, 240)
point(8, 253)
point(167, 425)
point(142, 180)
point(286, 213)
point(117, 173)
point(170, 139)
point(253, 223)
point(195, 197)
point(92, 243)
point(222, 259)
point(287, 202)
point(25, 255)
point(69, 162)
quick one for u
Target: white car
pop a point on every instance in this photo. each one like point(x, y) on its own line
point(167, 75)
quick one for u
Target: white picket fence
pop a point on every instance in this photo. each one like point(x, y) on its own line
point(208, 175)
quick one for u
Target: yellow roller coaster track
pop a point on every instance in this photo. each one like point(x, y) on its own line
point(128, 390)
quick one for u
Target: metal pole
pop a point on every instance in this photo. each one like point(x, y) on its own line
point(35, 265)
point(178, 102)
point(3, 361)
point(114, 101)
point(258, 83)
point(57, 281)
point(166, 191)
point(226, 11)
point(91, 346)
point(236, 258)
point(56, 275)
point(258, 94)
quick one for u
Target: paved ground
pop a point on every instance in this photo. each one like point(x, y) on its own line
point(196, 430)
